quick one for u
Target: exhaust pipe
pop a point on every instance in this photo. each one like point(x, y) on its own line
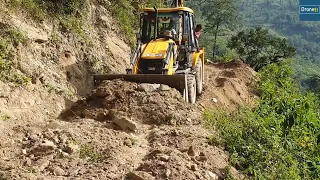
point(156, 23)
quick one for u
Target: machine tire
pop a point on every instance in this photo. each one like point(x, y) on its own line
point(199, 77)
point(192, 89)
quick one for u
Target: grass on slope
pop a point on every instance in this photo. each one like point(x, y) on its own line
point(279, 139)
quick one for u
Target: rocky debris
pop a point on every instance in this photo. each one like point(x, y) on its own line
point(42, 164)
point(212, 176)
point(48, 142)
point(164, 157)
point(139, 175)
point(72, 148)
point(103, 92)
point(128, 142)
point(202, 157)
point(58, 171)
point(191, 151)
point(148, 87)
point(24, 151)
point(144, 103)
point(164, 87)
point(168, 173)
point(194, 167)
point(125, 123)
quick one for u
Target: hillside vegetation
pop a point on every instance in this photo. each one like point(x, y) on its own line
point(280, 17)
point(279, 138)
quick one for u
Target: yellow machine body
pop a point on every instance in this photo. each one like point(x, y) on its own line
point(166, 59)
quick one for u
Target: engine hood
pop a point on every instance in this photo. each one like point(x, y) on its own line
point(156, 49)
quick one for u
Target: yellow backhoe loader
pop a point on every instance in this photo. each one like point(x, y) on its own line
point(167, 52)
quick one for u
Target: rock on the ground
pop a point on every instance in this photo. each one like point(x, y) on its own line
point(202, 157)
point(139, 175)
point(125, 123)
point(103, 92)
point(43, 164)
point(168, 173)
point(148, 87)
point(48, 144)
point(128, 142)
point(72, 148)
point(58, 171)
point(212, 175)
point(164, 157)
point(24, 151)
point(191, 151)
point(194, 167)
point(164, 87)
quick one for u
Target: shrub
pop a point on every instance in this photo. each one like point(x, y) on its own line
point(279, 138)
point(11, 38)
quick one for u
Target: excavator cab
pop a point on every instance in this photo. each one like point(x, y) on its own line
point(167, 52)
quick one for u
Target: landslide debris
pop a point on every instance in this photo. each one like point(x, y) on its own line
point(131, 102)
point(229, 86)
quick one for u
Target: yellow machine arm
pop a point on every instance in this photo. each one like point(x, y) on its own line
point(176, 3)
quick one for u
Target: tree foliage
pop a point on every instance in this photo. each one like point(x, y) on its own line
point(259, 48)
point(217, 14)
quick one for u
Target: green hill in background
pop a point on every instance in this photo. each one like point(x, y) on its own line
point(281, 17)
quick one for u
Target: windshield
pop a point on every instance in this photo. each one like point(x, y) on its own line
point(167, 24)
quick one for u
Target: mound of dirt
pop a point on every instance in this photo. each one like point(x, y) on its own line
point(141, 103)
point(228, 86)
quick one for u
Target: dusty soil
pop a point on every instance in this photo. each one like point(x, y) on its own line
point(229, 86)
point(123, 130)
point(61, 127)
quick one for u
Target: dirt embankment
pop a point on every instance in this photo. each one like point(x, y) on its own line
point(229, 86)
point(122, 130)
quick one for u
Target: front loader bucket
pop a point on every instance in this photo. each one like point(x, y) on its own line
point(177, 81)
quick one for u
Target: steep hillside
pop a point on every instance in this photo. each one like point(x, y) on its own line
point(55, 125)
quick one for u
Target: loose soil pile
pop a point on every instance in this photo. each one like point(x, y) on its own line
point(229, 86)
point(123, 130)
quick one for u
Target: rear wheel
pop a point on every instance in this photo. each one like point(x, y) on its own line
point(199, 77)
point(192, 89)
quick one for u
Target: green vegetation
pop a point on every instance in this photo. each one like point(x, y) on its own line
point(218, 13)
point(9, 39)
point(69, 13)
point(4, 117)
point(88, 151)
point(279, 138)
point(279, 16)
point(128, 12)
point(258, 47)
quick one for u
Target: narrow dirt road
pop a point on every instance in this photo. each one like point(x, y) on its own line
point(126, 130)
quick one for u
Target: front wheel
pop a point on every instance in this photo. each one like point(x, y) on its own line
point(192, 89)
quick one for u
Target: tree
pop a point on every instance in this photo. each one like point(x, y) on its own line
point(259, 48)
point(218, 13)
